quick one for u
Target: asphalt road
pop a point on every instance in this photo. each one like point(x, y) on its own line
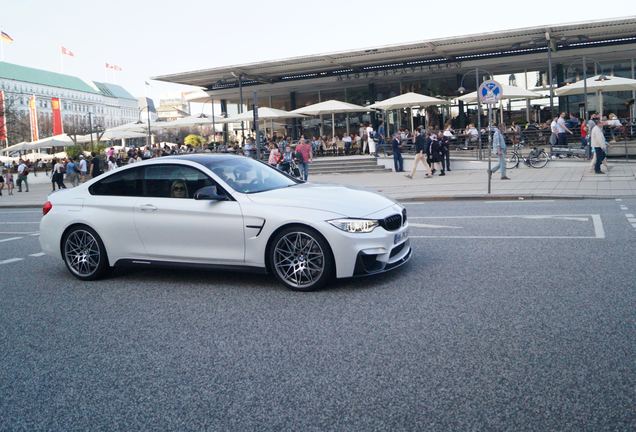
point(510, 316)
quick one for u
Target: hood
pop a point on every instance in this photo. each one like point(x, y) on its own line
point(331, 198)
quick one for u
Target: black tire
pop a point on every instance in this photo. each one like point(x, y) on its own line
point(301, 259)
point(512, 161)
point(540, 160)
point(84, 253)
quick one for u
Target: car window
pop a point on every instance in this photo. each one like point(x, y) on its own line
point(246, 175)
point(127, 182)
point(173, 181)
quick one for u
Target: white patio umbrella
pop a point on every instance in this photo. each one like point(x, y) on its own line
point(61, 140)
point(598, 84)
point(110, 135)
point(264, 113)
point(18, 147)
point(5, 159)
point(408, 100)
point(330, 107)
point(508, 93)
point(191, 121)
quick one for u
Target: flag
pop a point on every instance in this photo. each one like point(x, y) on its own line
point(5, 37)
point(3, 119)
point(67, 52)
point(33, 117)
point(58, 127)
point(113, 67)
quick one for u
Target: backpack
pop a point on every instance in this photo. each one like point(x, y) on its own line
point(25, 171)
point(298, 155)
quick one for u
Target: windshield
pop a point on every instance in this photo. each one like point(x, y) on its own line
point(247, 175)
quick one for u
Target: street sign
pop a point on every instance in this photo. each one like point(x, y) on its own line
point(490, 92)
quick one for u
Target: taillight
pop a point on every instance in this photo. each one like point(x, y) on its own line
point(47, 207)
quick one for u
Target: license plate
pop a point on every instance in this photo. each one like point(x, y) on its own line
point(401, 236)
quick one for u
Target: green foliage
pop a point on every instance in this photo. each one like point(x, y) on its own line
point(194, 140)
point(74, 151)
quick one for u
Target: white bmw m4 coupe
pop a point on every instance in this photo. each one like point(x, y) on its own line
point(223, 211)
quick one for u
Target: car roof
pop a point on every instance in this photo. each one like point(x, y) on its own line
point(203, 159)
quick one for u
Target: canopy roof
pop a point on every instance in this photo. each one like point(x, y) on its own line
point(17, 147)
point(522, 43)
point(62, 140)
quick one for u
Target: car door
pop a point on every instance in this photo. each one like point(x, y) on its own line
point(173, 226)
point(109, 209)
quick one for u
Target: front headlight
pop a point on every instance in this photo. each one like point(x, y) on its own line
point(355, 225)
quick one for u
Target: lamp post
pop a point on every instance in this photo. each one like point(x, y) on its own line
point(240, 110)
point(139, 122)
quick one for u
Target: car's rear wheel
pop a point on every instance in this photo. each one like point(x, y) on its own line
point(301, 259)
point(84, 253)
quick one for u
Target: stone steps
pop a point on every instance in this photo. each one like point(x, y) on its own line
point(345, 165)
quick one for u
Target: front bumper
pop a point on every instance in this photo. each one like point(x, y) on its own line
point(368, 262)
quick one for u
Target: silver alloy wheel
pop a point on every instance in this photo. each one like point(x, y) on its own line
point(81, 252)
point(298, 259)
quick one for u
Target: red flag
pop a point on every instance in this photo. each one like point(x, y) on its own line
point(67, 52)
point(3, 119)
point(58, 127)
point(33, 116)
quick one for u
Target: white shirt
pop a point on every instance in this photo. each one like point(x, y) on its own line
point(369, 131)
point(560, 125)
point(598, 139)
point(82, 165)
point(111, 165)
point(21, 167)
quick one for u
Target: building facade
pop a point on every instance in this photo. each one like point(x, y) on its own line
point(554, 55)
point(84, 104)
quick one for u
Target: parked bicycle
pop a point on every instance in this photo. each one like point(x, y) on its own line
point(537, 158)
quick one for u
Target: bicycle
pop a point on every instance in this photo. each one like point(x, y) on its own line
point(537, 158)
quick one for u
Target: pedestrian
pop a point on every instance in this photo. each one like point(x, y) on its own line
point(435, 154)
point(396, 146)
point(71, 172)
point(371, 139)
point(599, 144)
point(1, 179)
point(58, 175)
point(304, 150)
point(274, 155)
point(381, 136)
point(83, 168)
point(420, 155)
point(444, 141)
point(562, 131)
point(23, 172)
point(9, 181)
point(362, 132)
point(111, 164)
point(499, 149)
point(96, 168)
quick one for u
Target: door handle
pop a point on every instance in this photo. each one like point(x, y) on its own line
point(147, 208)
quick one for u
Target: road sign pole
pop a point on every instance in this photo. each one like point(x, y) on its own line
point(490, 147)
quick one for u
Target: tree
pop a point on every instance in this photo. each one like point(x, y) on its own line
point(194, 140)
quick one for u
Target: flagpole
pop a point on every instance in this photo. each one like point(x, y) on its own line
point(61, 61)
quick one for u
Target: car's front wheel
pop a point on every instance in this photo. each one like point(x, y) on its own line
point(301, 259)
point(84, 253)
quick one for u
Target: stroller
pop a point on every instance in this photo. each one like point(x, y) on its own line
point(290, 168)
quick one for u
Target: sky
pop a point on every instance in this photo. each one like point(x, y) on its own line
point(150, 38)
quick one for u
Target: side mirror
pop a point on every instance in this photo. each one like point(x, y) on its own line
point(209, 193)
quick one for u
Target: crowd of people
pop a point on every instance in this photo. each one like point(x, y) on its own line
point(431, 146)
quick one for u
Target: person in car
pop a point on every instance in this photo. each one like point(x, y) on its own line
point(178, 189)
